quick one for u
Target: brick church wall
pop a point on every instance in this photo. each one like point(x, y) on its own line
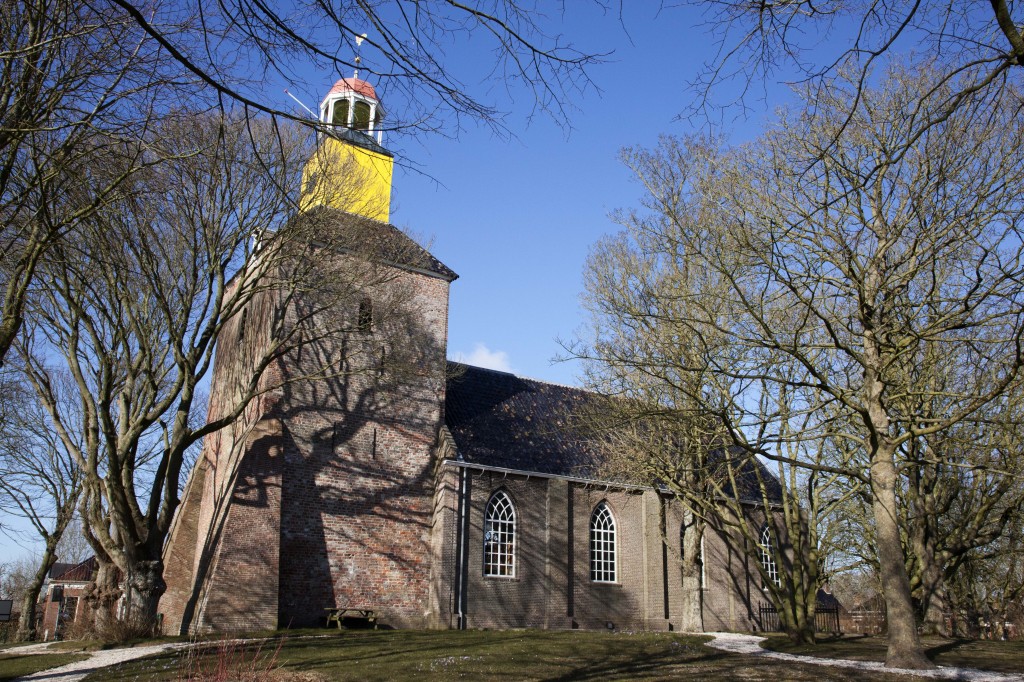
point(732, 591)
point(729, 593)
point(321, 495)
point(622, 603)
point(444, 527)
point(337, 491)
point(181, 552)
point(531, 597)
point(552, 586)
point(358, 483)
point(195, 599)
point(243, 587)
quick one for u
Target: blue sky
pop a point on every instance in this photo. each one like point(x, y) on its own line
point(515, 218)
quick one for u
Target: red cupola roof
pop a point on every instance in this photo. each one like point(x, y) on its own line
point(356, 85)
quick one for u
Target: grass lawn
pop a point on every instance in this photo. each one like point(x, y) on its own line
point(1004, 657)
point(13, 665)
point(486, 655)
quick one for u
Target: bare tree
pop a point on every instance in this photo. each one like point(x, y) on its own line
point(73, 547)
point(235, 48)
point(975, 49)
point(40, 482)
point(823, 275)
point(202, 238)
point(987, 594)
point(16, 577)
point(783, 517)
point(963, 491)
point(74, 79)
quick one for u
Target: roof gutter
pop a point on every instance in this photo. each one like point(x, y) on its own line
point(596, 483)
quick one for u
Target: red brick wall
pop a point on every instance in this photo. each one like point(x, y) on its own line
point(358, 481)
point(323, 494)
point(51, 609)
point(180, 553)
point(206, 521)
point(241, 590)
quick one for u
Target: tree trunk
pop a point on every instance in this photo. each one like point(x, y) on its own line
point(102, 595)
point(905, 650)
point(803, 634)
point(27, 622)
point(692, 616)
point(934, 607)
point(144, 585)
point(796, 616)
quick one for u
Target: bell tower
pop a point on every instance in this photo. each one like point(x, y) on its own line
point(351, 170)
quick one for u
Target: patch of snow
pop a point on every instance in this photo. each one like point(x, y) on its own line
point(750, 645)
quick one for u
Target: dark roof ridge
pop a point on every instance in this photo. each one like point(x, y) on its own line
point(523, 378)
point(80, 572)
point(388, 237)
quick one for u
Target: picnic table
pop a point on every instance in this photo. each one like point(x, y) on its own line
point(337, 614)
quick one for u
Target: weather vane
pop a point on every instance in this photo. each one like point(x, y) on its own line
point(358, 60)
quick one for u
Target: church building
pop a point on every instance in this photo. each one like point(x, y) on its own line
point(440, 496)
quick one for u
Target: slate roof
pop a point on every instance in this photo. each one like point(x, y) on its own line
point(59, 568)
point(377, 240)
point(750, 480)
point(498, 419)
point(501, 420)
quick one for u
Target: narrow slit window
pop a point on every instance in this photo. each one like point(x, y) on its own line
point(364, 321)
point(500, 537)
point(241, 325)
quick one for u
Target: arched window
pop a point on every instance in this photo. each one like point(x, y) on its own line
point(364, 322)
point(500, 537)
point(767, 550)
point(340, 117)
point(361, 119)
point(602, 545)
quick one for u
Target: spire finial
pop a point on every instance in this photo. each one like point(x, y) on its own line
point(358, 59)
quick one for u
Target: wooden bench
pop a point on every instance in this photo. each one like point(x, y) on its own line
point(336, 615)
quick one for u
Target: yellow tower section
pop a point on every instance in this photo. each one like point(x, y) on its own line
point(350, 170)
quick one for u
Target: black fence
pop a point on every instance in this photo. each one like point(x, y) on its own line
point(826, 619)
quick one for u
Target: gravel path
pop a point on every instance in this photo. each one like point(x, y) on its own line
point(73, 672)
point(750, 646)
point(726, 641)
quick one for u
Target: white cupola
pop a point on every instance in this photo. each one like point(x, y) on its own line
point(352, 103)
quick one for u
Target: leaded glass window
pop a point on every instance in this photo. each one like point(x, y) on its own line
point(602, 545)
point(500, 537)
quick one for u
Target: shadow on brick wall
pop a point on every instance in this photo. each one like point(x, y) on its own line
point(330, 501)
